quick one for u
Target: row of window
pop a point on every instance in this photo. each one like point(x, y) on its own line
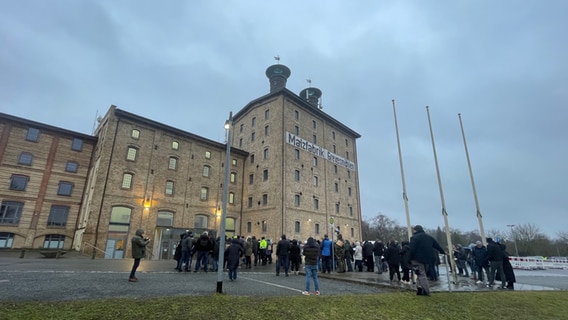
point(51, 241)
point(132, 153)
point(33, 135)
point(135, 134)
point(120, 220)
point(253, 120)
point(11, 212)
point(26, 158)
point(296, 117)
point(297, 202)
point(314, 126)
point(19, 182)
point(297, 227)
point(316, 182)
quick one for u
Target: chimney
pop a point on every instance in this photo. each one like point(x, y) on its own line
point(312, 96)
point(277, 74)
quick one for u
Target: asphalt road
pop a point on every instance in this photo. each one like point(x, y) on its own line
point(70, 279)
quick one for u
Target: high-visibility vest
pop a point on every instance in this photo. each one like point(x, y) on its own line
point(262, 244)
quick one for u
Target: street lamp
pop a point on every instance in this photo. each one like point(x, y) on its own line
point(228, 128)
point(514, 237)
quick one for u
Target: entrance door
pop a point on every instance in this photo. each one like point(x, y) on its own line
point(114, 249)
point(167, 249)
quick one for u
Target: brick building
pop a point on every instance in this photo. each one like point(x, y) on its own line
point(43, 170)
point(301, 170)
point(293, 167)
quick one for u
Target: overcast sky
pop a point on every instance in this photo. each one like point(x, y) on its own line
point(502, 64)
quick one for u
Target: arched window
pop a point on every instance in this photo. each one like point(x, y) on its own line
point(6, 240)
point(169, 188)
point(172, 165)
point(165, 219)
point(131, 154)
point(206, 170)
point(201, 221)
point(127, 180)
point(204, 193)
point(230, 226)
point(119, 219)
point(54, 241)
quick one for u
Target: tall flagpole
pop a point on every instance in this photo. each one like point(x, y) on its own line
point(479, 216)
point(408, 225)
point(444, 213)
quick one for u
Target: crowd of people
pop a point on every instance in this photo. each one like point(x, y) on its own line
point(409, 262)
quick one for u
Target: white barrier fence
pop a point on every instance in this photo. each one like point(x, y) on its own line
point(539, 263)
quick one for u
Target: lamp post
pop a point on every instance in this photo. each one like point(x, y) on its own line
point(228, 128)
point(514, 238)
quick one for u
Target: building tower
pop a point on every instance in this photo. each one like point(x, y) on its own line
point(302, 165)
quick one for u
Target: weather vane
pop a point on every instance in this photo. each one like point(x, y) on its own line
point(309, 82)
point(277, 58)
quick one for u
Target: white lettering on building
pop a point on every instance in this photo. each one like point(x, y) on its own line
point(318, 151)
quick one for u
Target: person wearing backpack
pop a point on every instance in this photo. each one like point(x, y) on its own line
point(203, 246)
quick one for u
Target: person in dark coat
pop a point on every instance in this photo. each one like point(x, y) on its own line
point(311, 254)
point(348, 256)
point(495, 255)
point(507, 269)
point(186, 248)
point(203, 245)
point(295, 256)
point(368, 256)
point(392, 256)
point(479, 253)
point(177, 254)
point(421, 245)
point(378, 253)
point(255, 250)
point(139, 243)
point(433, 271)
point(405, 261)
point(233, 254)
point(283, 255)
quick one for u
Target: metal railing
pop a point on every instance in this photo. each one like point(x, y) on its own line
point(87, 245)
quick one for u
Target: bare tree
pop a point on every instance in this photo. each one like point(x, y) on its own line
point(525, 235)
point(562, 236)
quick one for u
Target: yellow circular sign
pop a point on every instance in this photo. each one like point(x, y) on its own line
point(331, 220)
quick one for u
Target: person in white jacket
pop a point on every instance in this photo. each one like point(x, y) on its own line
point(358, 256)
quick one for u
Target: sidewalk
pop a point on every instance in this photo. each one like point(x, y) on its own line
point(464, 284)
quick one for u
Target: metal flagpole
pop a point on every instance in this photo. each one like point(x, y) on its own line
point(479, 216)
point(444, 213)
point(229, 127)
point(408, 225)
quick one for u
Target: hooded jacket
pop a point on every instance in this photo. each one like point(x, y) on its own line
point(139, 245)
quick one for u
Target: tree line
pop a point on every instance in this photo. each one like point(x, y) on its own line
point(524, 239)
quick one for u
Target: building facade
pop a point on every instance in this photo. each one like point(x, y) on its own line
point(293, 171)
point(301, 172)
point(43, 170)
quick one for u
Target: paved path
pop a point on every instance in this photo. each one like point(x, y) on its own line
point(75, 276)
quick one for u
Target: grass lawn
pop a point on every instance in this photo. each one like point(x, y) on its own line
point(457, 305)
